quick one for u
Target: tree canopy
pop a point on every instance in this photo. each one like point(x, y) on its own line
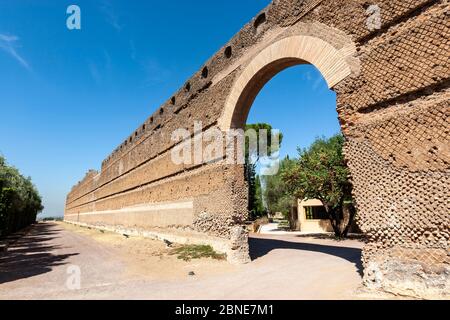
point(322, 173)
point(20, 201)
point(277, 193)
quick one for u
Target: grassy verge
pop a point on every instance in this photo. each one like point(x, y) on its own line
point(191, 252)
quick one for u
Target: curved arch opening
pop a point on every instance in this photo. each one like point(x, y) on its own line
point(280, 55)
point(293, 97)
point(298, 102)
point(254, 87)
point(331, 67)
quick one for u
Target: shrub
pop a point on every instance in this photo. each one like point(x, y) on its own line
point(53, 219)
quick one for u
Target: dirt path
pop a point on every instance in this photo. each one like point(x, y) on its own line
point(113, 267)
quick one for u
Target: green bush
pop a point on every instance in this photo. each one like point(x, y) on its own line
point(277, 193)
point(52, 219)
point(20, 202)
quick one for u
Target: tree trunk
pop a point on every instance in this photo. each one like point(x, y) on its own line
point(293, 219)
point(332, 216)
point(351, 213)
point(341, 226)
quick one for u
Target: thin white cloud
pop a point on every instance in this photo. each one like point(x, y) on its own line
point(317, 82)
point(154, 73)
point(95, 73)
point(8, 43)
point(111, 16)
point(101, 70)
point(8, 38)
point(108, 61)
point(307, 76)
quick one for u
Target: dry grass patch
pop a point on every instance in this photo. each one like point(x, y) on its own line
point(191, 252)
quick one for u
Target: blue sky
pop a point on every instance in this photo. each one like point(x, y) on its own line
point(68, 98)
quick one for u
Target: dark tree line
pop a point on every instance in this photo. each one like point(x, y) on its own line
point(20, 201)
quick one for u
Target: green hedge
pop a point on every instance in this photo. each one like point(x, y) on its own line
point(20, 202)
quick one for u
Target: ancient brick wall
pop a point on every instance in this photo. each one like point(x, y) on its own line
point(393, 105)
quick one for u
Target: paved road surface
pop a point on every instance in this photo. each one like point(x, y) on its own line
point(283, 267)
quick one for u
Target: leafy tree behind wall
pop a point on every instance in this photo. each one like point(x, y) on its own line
point(322, 173)
point(20, 202)
point(277, 192)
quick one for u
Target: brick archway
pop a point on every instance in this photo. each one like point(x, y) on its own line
point(287, 52)
point(392, 86)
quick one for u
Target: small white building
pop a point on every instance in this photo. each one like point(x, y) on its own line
point(312, 217)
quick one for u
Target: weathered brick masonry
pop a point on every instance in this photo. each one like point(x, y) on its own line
point(393, 95)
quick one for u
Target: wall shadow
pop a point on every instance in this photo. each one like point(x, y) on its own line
point(32, 254)
point(260, 247)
